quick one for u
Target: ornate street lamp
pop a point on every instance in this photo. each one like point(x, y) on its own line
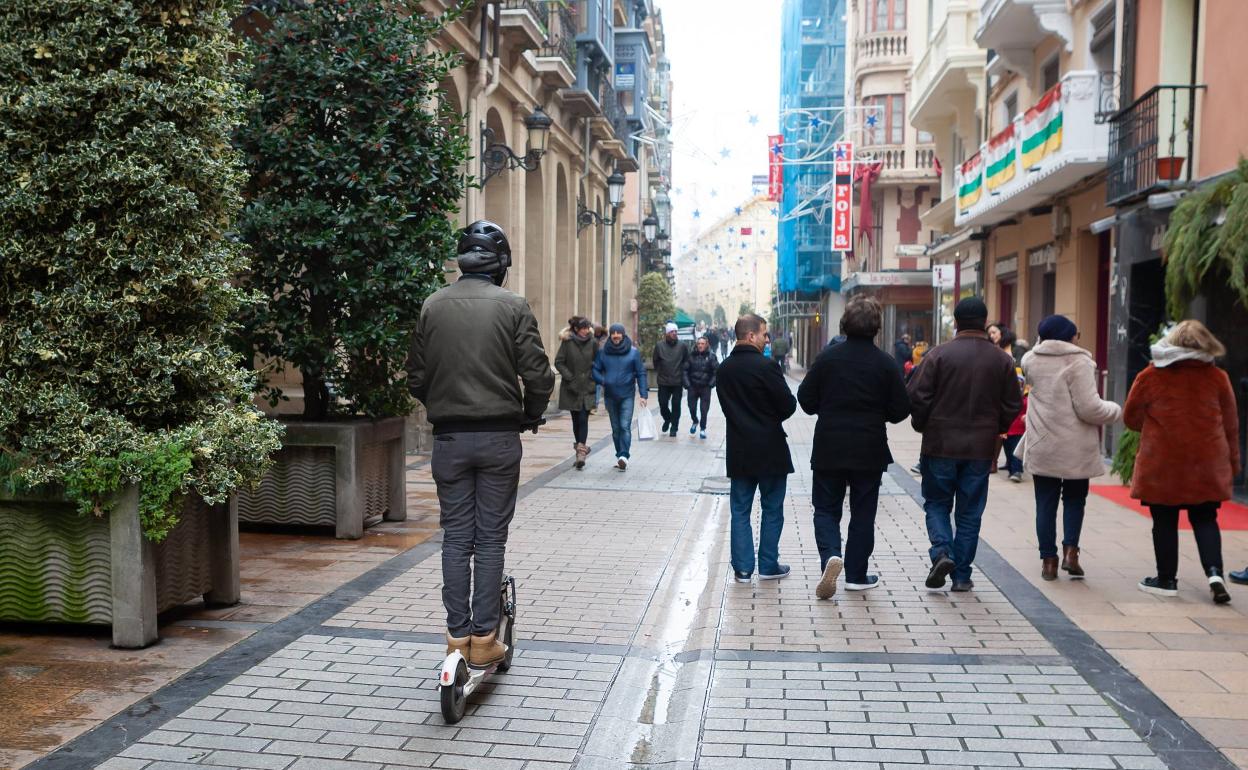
point(615, 189)
point(615, 196)
point(649, 226)
point(497, 157)
point(663, 209)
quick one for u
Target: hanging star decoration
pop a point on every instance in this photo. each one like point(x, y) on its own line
point(753, 119)
point(775, 212)
point(697, 214)
point(840, 152)
point(714, 193)
point(732, 229)
point(737, 211)
point(725, 153)
point(872, 119)
point(815, 122)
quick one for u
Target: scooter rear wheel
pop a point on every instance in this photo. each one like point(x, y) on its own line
point(454, 702)
point(508, 622)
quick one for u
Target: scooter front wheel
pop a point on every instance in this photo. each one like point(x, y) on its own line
point(454, 702)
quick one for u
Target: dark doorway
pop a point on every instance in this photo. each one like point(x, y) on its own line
point(1102, 310)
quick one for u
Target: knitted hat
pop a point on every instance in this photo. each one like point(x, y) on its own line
point(671, 327)
point(1058, 327)
point(969, 310)
point(617, 328)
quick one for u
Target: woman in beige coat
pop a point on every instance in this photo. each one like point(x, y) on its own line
point(1061, 448)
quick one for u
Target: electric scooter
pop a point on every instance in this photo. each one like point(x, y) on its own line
point(457, 680)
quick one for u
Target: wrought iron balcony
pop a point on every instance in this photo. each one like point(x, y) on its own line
point(1151, 143)
point(557, 56)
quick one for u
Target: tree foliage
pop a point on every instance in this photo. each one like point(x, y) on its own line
point(1196, 245)
point(721, 316)
point(354, 178)
point(117, 186)
point(655, 307)
point(745, 309)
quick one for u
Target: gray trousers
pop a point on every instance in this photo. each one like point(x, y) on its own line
point(477, 476)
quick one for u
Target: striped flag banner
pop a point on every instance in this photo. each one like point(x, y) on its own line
point(1042, 128)
point(1001, 157)
point(970, 182)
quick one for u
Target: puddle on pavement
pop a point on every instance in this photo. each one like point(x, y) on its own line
point(670, 633)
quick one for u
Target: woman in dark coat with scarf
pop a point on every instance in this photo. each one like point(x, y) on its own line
point(1184, 409)
point(575, 364)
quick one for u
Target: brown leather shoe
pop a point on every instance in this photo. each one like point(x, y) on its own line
point(1070, 561)
point(582, 452)
point(486, 650)
point(1048, 568)
point(457, 643)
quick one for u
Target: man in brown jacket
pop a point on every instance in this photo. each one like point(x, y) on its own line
point(963, 395)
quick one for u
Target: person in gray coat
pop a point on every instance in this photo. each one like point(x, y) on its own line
point(575, 364)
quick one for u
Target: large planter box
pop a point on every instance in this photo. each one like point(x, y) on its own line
point(347, 475)
point(60, 566)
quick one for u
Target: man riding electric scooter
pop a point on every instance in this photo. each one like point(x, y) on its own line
point(475, 343)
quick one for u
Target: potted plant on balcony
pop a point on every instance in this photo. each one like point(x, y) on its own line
point(354, 180)
point(125, 418)
point(1208, 232)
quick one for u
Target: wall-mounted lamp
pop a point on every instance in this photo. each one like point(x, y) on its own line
point(497, 157)
point(615, 196)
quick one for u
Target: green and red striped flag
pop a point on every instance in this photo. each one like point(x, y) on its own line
point(1001, 158)
point(970, 182)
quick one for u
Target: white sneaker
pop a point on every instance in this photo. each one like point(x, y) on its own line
point(872, 581)
point(621, 463)
point(827, 584)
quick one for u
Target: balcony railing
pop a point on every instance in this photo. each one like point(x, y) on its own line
point(560, 35)
point(539, 8)
point(881, 45)
point(1151, 142)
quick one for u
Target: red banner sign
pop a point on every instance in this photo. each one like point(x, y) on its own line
point(775, 168)
point(843, 196)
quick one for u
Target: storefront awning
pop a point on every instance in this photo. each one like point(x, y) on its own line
point(887, 278)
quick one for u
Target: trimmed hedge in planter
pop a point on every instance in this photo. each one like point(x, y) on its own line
point(59, 566)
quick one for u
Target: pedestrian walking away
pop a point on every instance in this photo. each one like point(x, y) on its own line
point(1061, 447)
point(756, 400)
point(618, 368)
point(475, 345)
point(962, 397)
point(780, 352)
point(699, 382)
point(1184, 409)
point(575, 364)
point(856, 390)
point(1013, 438)
point(902, 350)
point(670, 357)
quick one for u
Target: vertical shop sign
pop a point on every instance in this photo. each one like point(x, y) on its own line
point(842, 196)
point(775, 168)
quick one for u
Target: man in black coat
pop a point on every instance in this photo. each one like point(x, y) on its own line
point(756, 400)
point(856, 389)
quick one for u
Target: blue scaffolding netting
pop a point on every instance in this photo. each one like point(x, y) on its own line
point(812, 94)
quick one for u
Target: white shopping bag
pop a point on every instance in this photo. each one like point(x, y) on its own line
point(645, 425)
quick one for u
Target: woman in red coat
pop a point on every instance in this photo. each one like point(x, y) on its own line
point(1184, 408)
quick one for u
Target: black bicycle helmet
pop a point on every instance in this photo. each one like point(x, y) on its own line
point(483, 248)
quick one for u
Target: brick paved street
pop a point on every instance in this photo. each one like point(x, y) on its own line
point(637, 650)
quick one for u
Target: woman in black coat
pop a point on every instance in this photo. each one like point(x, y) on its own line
point(856, 389)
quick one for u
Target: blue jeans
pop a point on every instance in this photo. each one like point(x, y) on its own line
point(960, 488)
point(1073, 494)
point(620, 411)
point(771, 499)
point(1012, 463)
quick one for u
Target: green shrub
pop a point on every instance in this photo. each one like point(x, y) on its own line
point(655, 307)
point(1128, 447)
point(354, 179)
point(1196, 245)
point(117, 186)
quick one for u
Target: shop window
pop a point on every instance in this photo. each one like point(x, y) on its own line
point(1011, 108)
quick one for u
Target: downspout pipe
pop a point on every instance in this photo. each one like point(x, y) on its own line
point(485, 81)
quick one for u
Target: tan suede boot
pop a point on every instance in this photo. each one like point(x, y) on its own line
point(486, 650)
point(458, 644)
